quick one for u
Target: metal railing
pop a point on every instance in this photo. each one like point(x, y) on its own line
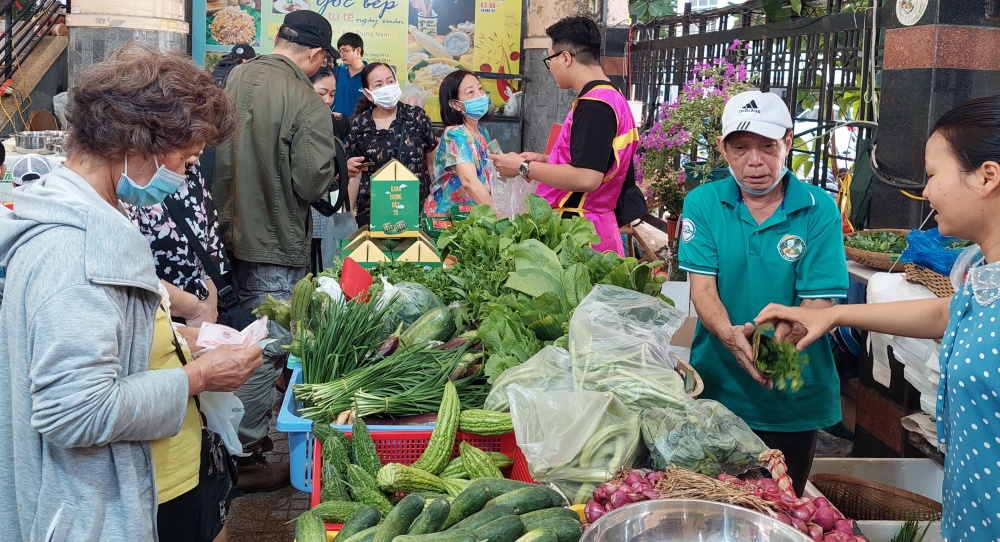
point(824, 64)
point(25, 22)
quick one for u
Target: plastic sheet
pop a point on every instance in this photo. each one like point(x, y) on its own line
point(574, 440)
point(549, 369)
point(412, 301)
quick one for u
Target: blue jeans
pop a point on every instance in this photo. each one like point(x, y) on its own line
point(253, 282)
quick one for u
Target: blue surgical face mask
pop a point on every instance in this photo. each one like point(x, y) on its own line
point(764, 191)
point(476, 108)
point(163, 183)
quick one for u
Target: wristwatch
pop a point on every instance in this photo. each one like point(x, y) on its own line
point(523, 169)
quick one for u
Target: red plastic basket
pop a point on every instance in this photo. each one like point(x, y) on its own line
point(406, 446)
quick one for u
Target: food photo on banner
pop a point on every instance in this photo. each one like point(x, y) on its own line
point(424, 39)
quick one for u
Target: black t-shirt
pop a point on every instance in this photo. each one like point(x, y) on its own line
point(594, 129)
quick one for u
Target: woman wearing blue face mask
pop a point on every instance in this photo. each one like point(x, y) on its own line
point(460, 173)
point(97, 389)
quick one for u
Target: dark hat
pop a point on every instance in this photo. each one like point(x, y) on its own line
point(310, 29)
point(242, 51)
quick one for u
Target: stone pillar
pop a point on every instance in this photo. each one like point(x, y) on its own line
point(933, 61)
point(546, 102)
point(99, 27)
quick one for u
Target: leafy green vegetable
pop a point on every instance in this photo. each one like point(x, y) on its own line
point(960, 244)
point(779, 361)
point(877, 241)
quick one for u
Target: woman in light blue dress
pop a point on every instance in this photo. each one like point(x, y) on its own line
point(963, 184)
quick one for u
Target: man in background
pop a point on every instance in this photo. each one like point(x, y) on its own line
point(351, 48)
point(241, 53)
point(266, 176)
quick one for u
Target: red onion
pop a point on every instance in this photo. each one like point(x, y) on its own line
point(620, 499)
point(787, 500)
point(767, 483)
point(815, 532)
point(784, 519)
point(810, 507)
point(593, 511)
point(821, 502)
point(834, 537)
point(640, 487)
point(845, 526)
point(651, 494)
point(604, 492)
point(824, 518)
point(634, 478)
point(801, 512)
point(608, 506)
point(654, 476)
point(800, 525)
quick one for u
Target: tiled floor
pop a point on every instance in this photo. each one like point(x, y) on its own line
point(268, 517)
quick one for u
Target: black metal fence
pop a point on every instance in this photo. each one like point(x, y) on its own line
point(825, 65)
point(25, 22)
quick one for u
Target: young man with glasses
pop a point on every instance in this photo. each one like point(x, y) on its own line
point(584, 173)
point(352, 49)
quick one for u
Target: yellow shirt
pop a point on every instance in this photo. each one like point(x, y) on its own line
point(176, 459)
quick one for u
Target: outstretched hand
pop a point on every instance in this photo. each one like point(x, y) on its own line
point(799, 325)
point(737, 340)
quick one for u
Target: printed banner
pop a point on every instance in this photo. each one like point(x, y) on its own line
point(423, 39)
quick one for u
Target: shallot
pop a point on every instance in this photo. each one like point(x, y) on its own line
point(824, 517)
point(593, 511)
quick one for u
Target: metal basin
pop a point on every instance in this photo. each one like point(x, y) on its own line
point(688, 520)
point(31, 142)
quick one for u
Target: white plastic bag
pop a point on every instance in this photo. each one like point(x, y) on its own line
point(509, 194)
point(223, 413)
point(574, 440)
point(549, 369)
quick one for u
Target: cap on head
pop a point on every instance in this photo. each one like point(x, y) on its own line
point(29, 168)
point(310, 29)
point(762, 113)
point(242, 51)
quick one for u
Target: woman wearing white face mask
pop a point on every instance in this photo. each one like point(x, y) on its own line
point(460, 174)
point(384, 129)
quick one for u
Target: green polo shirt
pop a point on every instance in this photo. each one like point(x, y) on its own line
point(796, 254)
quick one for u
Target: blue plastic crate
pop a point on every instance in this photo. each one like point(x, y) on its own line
point(300, 439)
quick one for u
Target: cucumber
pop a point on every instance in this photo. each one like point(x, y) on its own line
point(399, 520)
point(367, 517)
point(364, 536)
point(484, 516)
point(446, 536)
point(471, 500)
point(524, 500)
point(505, 529)
point(437, 324)
point(499, 486)
point(309, 528)
point(537, 519)
point(539, 535)
point(567, 529)
point(432, 518)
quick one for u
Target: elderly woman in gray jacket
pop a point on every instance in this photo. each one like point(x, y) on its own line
point(78, 306)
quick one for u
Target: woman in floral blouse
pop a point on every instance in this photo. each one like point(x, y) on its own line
point(384, 129)
point(460, 173)
point(193, 296)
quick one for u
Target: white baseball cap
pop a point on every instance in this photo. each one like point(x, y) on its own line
point(29, 168)
point(762, 113)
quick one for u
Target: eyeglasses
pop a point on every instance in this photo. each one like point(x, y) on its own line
point(345, 50)
point(548, 60)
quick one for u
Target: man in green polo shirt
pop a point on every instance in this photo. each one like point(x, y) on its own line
point(762, 236)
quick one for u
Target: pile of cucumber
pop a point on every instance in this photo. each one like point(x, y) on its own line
point(489, 509)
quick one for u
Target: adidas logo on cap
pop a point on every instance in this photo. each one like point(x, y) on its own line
point(750, 108)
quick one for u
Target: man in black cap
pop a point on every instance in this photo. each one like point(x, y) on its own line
point(279, 162)
point(241, 53)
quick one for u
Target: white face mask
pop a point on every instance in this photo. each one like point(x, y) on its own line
point(387, 96)
point(764, 191)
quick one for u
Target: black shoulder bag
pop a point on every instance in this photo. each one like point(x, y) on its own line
point(230, 312)
point(324, 207)
point(631, 204)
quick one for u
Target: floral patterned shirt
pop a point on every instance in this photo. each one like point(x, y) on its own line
point(458, 145)
point(176, 263)
point(408, 139)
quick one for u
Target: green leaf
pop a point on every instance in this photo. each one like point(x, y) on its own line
point(576, 283)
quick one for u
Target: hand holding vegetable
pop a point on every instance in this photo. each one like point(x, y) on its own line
point(815, 321)
point(225, 368)
point(736, 340)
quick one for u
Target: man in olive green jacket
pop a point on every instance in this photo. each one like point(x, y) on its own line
point(280, 160)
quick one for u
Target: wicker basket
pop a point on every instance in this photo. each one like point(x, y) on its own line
point(871, 501)
point(937, 283)
point(876, 260)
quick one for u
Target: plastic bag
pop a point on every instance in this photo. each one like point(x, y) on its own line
point(412, 301)
point(223, 413)
point(965, 261)
point(549, 369)
point(338, 227)
point(574, 440)
point(704, 437)
point(931, 250)
point(619, 341)
point(509, 194)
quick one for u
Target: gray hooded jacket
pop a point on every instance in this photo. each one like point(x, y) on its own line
point(78, 300)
